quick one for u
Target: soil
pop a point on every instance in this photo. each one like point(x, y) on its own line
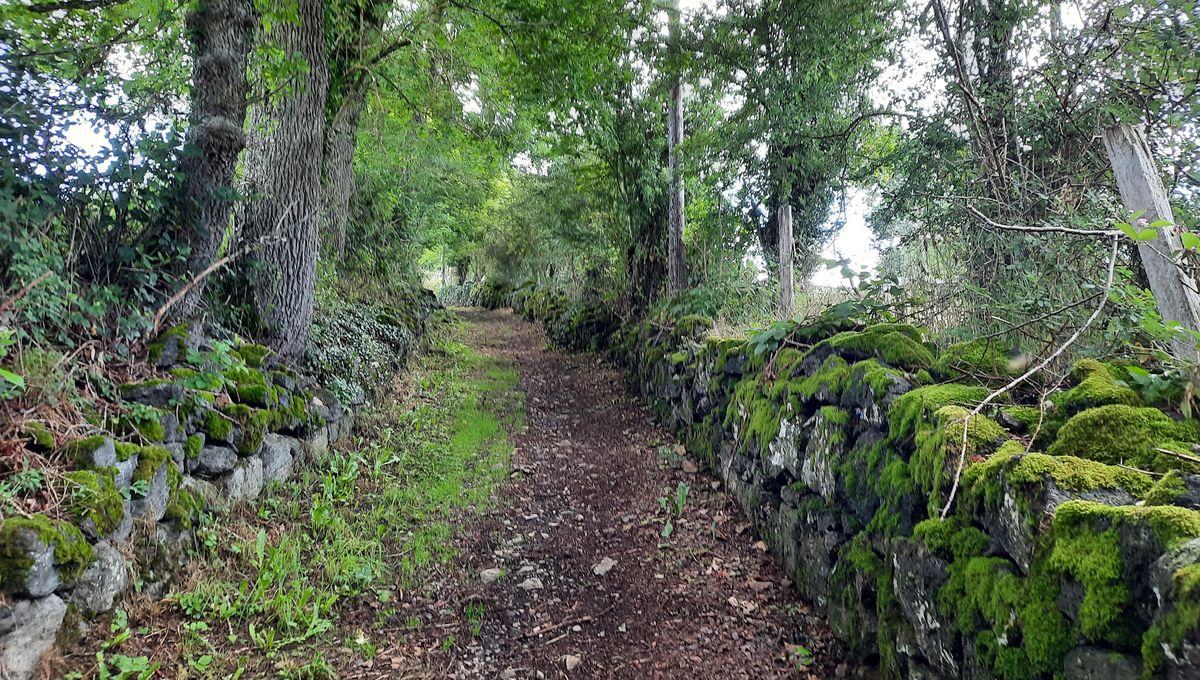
point(594, 480)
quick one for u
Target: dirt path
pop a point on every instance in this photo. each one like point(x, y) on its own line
point(590, 469)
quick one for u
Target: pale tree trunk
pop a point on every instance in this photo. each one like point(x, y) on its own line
point(1142, 190)
point(221, 32)
point(677, 272)
point(787, 255)
point(337, 182)
point(283, 179)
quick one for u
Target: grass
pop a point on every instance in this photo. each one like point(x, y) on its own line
point(270, 587)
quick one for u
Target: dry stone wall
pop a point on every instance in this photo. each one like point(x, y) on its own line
point(224, 423)
point(1072, 550)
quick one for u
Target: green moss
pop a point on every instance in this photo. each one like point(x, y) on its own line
point(678, 358)
point(1167, 490)
point(895, 344)
point(939, 448)
point(38, 435)
point(72, 552)
point(693, 325)
point(94, 495)
point(255, 423)
point(255, 394)
point(917, 406)
point(80, 450)
point(1171, 525)
point(977, 358)
point(126, 451)
point(1093, 559)
point(218, 426)
point(148, 424)
point(193, 446)
point(155, 349)
point(184, 506)
point(150, 460)
point(1098, 386)
point(983, 481)
point(254, 356)
point(1123, 434)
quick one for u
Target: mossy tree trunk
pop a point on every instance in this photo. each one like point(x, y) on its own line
point(221, 32)
point(283, 179)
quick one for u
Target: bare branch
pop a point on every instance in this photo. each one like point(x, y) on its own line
point(962, 455)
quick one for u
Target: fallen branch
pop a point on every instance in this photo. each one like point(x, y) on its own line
point(1180, 456)
point(542, 630)
point(962, 455)
point(191, 285)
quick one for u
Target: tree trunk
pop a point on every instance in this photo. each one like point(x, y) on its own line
point(677, 272)
point(337, 182)
point(283, 178)
point(1142, 190)
point(221, 32)
point(787, 254)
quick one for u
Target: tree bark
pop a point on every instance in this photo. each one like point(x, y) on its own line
point(283, 178)
point(677, 272)
point(1142, 190)
point(337, 182)
point(221, 32)
point(787, 254)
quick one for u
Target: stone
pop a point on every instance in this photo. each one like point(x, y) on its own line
point(125, 469)
point(33, 626)
point(153, 505)
point(213, 498)
point(104, 455)
point(604, 566)
point(178, 455)
point(159, 394)
point(784, 451)
point(917, 578)
point(277, 455)
point(571, 661)
point(317, 444)
point(105, 579)
point(245, 482)
point(488, 576)
point(826, 448)
point(121, 533)
point(326, 405)
point(531, 583)
point(1096, 663)
point(214, 461)
point(41, 578)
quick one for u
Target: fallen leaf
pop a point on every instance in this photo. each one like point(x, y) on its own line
point(761, 546)
point(690, 467)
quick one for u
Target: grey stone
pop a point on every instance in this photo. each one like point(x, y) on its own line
point(917, 578)
point(325, 404)
point(121, 533)
point(178, 455)
point(103, 456)
point(317, 444)
point(277, 454)
point(826, 448)
point(125, 469)
point(1096, 663)
point(160, 395)
point(33, 627)
point(153, 505)
point(105, 579)
point(245, 482)
point(531, 583)
point(214, 461)
point(214, 500)
point(784, 450)
point(490, 575)
point(41, 578)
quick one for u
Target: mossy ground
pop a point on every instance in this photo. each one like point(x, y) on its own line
point(374, 518)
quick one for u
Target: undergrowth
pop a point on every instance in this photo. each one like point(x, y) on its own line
point(350, 539)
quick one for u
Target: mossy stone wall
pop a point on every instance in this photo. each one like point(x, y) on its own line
point(1073, 545)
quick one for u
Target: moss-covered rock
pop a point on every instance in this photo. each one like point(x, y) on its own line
point(94, 500)
point(978, 358)
point(71, 551)
point(1098, 384)
point(897, 345)
point(1130, 435)
point(37, 436)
